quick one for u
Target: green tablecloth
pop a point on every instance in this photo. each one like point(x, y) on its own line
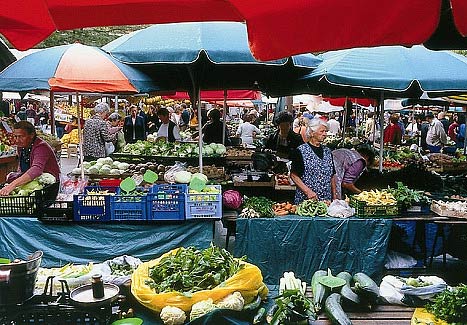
point(304, 245)
point(97, 242)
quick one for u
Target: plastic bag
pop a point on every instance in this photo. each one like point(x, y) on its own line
point(340, 209)
point(395, 260)
point(124, 260)
point(109, 148)
point(169, 175)
point(422, 317)
point(248, 281)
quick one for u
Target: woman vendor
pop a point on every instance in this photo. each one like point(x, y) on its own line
point(349, 165)
point(284, 140)
point(35, 157)
point(312, 167)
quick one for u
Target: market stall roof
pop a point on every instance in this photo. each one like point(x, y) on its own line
point(218, 95)
point(73, 67)
point(276, 29)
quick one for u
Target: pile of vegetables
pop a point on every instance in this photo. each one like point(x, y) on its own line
point(284, 208)
point(172, 149)
point(103, 166)
point(36, 184)
point(407, 197)
point(232, 199)
point(312, 208)
point(191, 270)
point(257, 207)
point(335, 293)
point(291, 306)
point(450, 305)
point(376, 197)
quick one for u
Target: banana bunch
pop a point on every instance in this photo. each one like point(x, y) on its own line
point(376, 197)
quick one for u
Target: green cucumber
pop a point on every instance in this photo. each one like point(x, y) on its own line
point(319, 290)
point(365, 286)
point(259, 315)
point(334, 310)
point(253, 305)
point(346, 292)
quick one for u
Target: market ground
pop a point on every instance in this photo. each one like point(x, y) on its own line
point(454, 272)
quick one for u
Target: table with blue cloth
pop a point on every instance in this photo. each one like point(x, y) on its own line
point(81, 243)
point(306, 244)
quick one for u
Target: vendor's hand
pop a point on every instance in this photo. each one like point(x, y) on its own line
point(311, 195)
point(6, 190)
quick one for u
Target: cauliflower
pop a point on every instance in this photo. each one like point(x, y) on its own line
point(201, 308)
point(46, 179)
point(233, 301)
point(172, 315)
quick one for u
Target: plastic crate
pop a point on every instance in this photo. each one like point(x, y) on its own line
point(93, 207)
point(128, 207)
point(20, 206)
point(204, 205)
point(362, 209)
point(59, 211)
point(166, 202)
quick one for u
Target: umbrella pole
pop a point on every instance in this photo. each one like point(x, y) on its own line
point(344, 120)
point(223, 117)
point(52, 113)
point(356, 118)
point(80, 136)
point(381, 137)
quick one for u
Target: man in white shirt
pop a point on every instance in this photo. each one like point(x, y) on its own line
point(436, 136)
point(334, 126)
point(168, 128)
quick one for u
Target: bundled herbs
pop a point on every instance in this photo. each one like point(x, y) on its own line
point(257, 207)
point(407, 197)
point(450, 305)
point(191, 270)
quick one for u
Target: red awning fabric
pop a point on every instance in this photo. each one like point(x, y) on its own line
point(341, 101)
point(218, 95)
point(276, 29)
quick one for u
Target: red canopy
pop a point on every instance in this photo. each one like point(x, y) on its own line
point(218, 95)
point(276, 29)
point(341, 101)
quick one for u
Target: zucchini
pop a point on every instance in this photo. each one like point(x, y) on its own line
point(259, 315)
point(334, 310)
point(346, 291)
point(253, 305)
point(319, 290)
point(366, 286)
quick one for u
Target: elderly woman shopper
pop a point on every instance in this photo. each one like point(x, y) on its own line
point(284, 140)
point(312, 166)
point(96, 133)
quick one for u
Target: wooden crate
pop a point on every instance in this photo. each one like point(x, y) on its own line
point(381, 315)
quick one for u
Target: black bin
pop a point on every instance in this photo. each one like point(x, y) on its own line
point(17, 280)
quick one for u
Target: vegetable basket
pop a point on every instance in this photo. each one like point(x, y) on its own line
point(130, 207)
point(94, 204)
point(206, 205)
point(166, 202)
point(28, 205)
point(363, 209)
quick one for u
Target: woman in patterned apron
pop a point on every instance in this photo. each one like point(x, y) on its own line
point(312, 166)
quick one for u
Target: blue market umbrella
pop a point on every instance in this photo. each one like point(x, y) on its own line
point(395, 71)
point(206, 55)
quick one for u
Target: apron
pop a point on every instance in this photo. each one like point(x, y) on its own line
point(317, 173)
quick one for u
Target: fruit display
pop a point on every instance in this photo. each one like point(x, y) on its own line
point(238, 153)
point(73, 110)
point(71, 137)
point(7, 141)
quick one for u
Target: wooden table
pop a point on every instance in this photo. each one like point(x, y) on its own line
point(381, 315)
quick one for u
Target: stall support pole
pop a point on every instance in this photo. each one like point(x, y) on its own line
point(224, 116)
point(344, 119)
point(381, 137)
point(116, 104)
point(80, 135)
point(52, 113)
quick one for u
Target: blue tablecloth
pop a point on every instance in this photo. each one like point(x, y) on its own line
point(97, 242)
point(304, 245)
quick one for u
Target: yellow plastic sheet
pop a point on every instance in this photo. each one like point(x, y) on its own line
point(422, 317)
point(248, 281)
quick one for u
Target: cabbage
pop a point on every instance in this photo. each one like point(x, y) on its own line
point(104, 170)
point(87, 164)
point(93, 170)
point(100, 161)
point(114, 172)
point(98, 165)
point(46, 179)
point(107, 161)
point(32, 185)
point(123, 166)
point(115, 164)
point(220, 150)
point(232, 199)
point(182, 177)
point(198, 181)
point(207, 151)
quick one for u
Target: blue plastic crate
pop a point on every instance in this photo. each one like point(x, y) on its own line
point(93, 207)
point(167, 202)
point(205, 205)
point(128, 207)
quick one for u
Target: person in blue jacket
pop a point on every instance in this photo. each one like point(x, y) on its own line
point(134, 126)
